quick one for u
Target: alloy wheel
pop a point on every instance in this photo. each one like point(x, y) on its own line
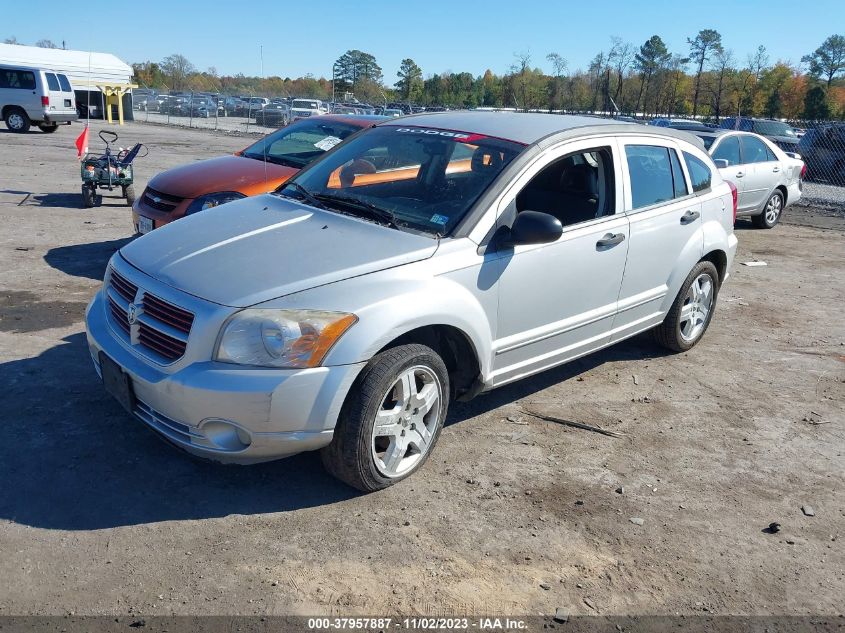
point(697, 306)
point(406, 421)
point(773, 209)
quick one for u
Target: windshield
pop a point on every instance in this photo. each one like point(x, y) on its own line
point(421, 178)
point(300, 143)
point(708, 140)
point(773, 128)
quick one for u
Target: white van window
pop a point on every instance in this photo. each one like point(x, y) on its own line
point(64, 83)
point(21, 79)
point(52, 82)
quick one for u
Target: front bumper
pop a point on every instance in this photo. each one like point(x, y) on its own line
point(225, 412)
point(159, 218)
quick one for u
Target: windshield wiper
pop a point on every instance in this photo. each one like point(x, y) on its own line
point(375, 212)
point(310, 197)
point(276, 160)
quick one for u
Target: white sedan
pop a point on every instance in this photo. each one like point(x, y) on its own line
point(767, 178)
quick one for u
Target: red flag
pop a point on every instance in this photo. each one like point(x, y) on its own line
point(82, 144)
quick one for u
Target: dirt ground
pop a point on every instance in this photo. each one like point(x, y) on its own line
point(511, 514)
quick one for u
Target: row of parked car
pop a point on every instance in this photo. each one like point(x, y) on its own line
point(269, 112)
point(821, 148)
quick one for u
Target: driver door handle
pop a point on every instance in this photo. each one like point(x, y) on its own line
point(739, 174)
point(776, 169)
point(690, 216)
point(610, 239)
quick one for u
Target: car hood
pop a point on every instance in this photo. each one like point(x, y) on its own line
point(224, 173)
point(256, 249)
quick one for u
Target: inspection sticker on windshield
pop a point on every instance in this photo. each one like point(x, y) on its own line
point(438, 219)
point(327, 143)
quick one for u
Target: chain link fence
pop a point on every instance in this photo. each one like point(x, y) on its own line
point(821, 144)
point(244, 114)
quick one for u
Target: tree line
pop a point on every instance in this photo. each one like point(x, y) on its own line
point(704, 79)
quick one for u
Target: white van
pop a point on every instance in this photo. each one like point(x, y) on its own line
point(35, 96)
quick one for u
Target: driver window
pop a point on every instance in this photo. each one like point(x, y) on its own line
point(576, 188)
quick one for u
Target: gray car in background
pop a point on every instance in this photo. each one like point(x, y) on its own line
point(781, 134)
point(422, 260)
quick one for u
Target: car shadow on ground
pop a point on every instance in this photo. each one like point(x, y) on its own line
point(72, 459)
point(85, 260)
point(641, 347)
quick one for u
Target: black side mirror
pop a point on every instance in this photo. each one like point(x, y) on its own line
point(532, 227)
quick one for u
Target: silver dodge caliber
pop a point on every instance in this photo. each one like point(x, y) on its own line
point(429, 258)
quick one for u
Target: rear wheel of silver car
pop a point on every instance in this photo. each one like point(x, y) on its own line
point(692, 311)
point(391, 419)
point(771, 212)
point(17, 120)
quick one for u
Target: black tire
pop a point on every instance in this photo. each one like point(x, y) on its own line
point(668, 334)
point(129, 194)
point(761, 221)
point(48, 129)
point(349, 457)
point(88, 196)
point(17, 120)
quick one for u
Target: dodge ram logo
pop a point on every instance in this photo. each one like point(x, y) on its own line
point(132, 313)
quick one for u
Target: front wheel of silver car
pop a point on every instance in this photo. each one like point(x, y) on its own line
point(391, 419)
point(691, 313)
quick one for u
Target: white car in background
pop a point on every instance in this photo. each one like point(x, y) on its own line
point(767, 179)
point(304, 108)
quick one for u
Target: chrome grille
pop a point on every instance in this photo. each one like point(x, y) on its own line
point(162, 344)
point(168, 313)
point(119, 315)
point(122, 286)
point(160, 201)
point(159, 329)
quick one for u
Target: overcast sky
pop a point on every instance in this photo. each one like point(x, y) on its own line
point(306, 37)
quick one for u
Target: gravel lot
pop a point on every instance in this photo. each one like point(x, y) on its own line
point(511, 514)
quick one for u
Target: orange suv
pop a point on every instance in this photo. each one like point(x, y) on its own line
point(259, 168)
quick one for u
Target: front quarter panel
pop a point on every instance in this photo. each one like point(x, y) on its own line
point(457, 287)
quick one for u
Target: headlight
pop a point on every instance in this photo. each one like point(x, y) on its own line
point(281, 338)
point(213, 200)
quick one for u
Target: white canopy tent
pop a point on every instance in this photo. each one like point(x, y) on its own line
point(87, 71)
point(81, 67)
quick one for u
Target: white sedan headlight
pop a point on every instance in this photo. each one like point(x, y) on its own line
point(281, 338)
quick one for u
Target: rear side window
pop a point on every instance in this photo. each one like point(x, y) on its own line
point(21, 79)
point(52, 82)
point(699, 173)
point(678, 175)
point(64, 83)
point(753, 150)
point(650, 171)
point(728, 150)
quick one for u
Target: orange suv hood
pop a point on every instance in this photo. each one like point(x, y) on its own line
point(225, 173)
